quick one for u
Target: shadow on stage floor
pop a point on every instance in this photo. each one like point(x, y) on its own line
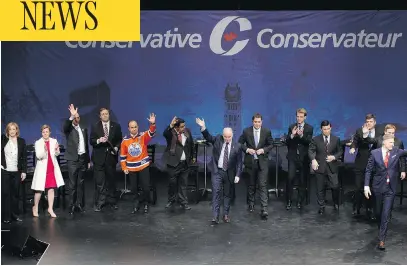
point(186, 237)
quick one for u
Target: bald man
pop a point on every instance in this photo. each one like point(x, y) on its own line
point(227, 167)
point(135, 161)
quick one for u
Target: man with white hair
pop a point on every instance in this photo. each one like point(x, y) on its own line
point(384, 165)
point(227, 168)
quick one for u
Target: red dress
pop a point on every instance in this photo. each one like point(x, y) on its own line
point(50, 181)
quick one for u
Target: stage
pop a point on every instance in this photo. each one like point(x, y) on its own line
point(186, 237)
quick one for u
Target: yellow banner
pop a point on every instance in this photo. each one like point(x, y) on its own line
point(85, 20)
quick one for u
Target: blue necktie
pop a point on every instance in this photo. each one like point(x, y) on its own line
point(256, 141)
point(369, 136)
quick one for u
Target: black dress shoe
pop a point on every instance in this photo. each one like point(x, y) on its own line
point(288, 206)
point(169, 204)
point(80, 209)
point(145, 208)
point(185, 206)
point(264, 214)
point(215, 221)
point(251, 208)
point(226, 219)
point(321, 210)
point(135, 210)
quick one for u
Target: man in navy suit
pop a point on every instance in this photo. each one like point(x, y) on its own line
point(227, 167)
point(384, 165)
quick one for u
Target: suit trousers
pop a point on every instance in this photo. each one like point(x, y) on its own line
point(256, 174)
point(383, 208)
point(327, 179)
point(303, 167)
point(140, 179)
point(359, 188)
point(76, 172)
point(104, 175)
point(10, 185)
point(221, 182)
point(178, 183)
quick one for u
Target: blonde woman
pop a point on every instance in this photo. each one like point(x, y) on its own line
point(13, 171)
point(47, 174)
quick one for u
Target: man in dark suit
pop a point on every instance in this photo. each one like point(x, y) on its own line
point(365, 140)
point(398, 144)
point(227, 168)
point(105, 138)
point(257, 142)
point(179, 155)
point(77, 157)
point(298, 140)
point(325, 152)
point(384, 165)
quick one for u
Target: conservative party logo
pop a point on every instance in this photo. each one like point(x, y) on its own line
point(219, 33)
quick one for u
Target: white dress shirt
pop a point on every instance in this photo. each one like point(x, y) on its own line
point(11, 154)
point(372, 133)
point(222, 154)
point(81, 146)
point(184, 139)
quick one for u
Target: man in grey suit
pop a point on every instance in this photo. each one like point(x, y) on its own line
point(77, 156)
point(227, 168)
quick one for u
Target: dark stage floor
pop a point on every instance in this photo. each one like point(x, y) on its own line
point(186, 237)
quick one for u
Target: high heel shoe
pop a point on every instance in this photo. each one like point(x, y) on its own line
point(52, 214)
point(35, 212)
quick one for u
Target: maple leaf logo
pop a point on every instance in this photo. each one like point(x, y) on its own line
point(229, 36)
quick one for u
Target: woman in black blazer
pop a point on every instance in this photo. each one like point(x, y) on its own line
point(13, 171)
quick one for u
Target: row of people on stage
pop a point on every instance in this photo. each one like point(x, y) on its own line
point(323, 153)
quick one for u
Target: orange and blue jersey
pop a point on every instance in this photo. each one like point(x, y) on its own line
point(133, 152)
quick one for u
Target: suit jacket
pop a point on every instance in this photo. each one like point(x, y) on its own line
point(362, 144)
point(317, 151)
point(265, 142)
point(173, 159)
point(398, 144)
point(298, 143)
point(72, 141)
point(102, 151)
point(21, 153)
point(376, 168)
point(235, 163)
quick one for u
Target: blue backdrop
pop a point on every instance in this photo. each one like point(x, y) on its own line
point(341, 67)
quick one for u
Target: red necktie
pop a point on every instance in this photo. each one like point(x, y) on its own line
point(386, 163)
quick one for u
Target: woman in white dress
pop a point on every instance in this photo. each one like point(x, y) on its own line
point(47, 174)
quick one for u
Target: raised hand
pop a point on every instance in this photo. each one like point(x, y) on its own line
point(73, 110)
point(152, 118)
point(200, 122)
point(173, 121)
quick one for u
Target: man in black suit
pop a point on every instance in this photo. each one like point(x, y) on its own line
point(298, 140)
point(105, 138)
point(257, 142)
point(325, 152)
point(227, 168)
point(179, 155)
point(390, 129)
point(77, 157)
point(365, 140)
point(383, 167)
